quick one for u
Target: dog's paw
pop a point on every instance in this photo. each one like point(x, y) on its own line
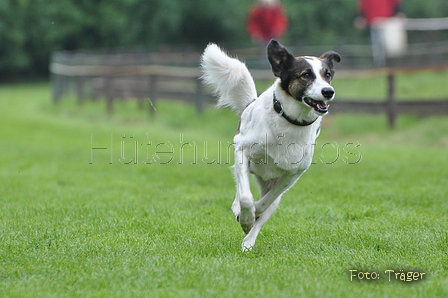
point(246, 248)
point(248, 244)
point(247, 219)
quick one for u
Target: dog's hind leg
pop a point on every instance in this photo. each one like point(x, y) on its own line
point(244, 199)
point(265, 186)
point(271, 188)
point(249, 240)
point(280, 187)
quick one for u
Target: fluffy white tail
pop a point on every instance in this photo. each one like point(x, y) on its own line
point(229, 77)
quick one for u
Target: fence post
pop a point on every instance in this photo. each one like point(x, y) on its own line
point(80, 89)
point(108, 88)
point(200, 96)
point(391, 104)
point(58, 87)
point(152, 93)
point(139, 85)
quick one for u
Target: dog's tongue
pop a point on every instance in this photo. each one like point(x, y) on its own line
point(322, 105)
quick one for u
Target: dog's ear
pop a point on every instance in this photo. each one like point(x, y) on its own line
point(279, 58)
point(330, 56)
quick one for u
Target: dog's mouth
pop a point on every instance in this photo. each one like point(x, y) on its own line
point(317, 105)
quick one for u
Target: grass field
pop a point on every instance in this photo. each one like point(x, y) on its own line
point(148, 215)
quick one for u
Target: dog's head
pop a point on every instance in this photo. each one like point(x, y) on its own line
point(306, 79)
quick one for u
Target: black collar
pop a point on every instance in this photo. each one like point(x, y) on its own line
point(279, 109)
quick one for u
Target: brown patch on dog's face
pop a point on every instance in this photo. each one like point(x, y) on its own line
point(327, 71)
point(299, 79)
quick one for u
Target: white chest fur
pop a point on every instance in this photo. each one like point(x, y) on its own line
point(281, 147)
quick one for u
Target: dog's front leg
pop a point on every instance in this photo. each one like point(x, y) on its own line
point(244, 199)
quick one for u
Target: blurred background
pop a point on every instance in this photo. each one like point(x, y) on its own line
point(30, 30)
point(150, 50)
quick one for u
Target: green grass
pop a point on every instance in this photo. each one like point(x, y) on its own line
point(78, 222)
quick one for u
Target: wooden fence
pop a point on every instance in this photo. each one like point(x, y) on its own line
point(151, 83)
point(144, 83)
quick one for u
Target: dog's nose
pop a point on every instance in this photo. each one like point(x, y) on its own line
point(327, 92)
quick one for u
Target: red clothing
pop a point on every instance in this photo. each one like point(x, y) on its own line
point(266, 22)
point(372, 9)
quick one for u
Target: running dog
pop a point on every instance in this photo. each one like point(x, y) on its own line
point(277, 131)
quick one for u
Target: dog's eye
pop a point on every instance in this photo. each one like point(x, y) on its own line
point(328, 75)
point(306, 75)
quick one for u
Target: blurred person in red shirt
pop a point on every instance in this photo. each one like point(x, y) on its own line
point(267, 19)
point(373, 9)
point(372, 13)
